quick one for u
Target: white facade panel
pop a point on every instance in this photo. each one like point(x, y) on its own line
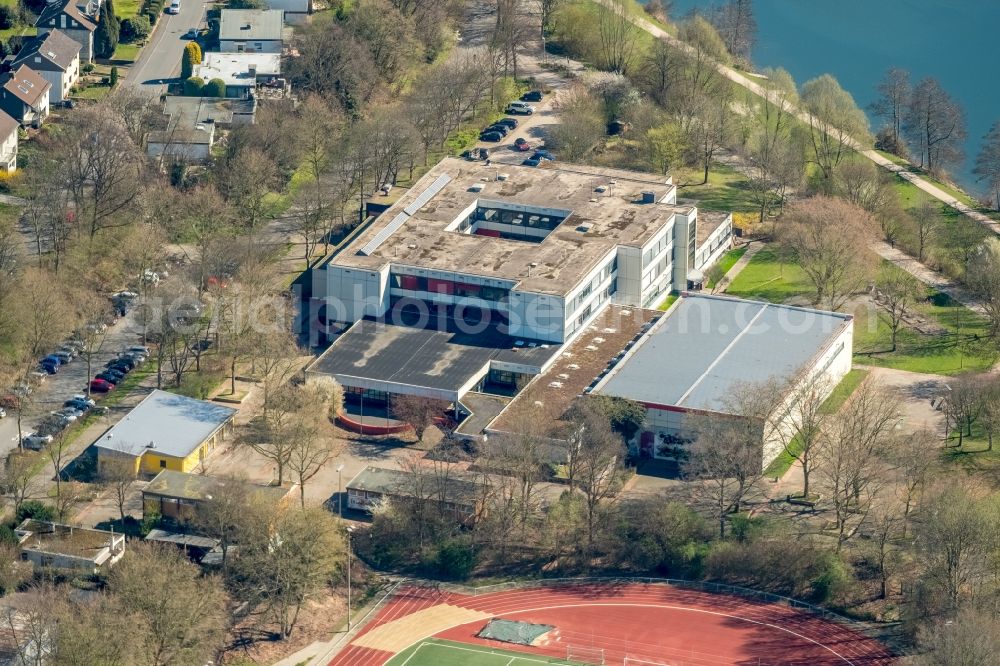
point(537, 316)
point(352, 293)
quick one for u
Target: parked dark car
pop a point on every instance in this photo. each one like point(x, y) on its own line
point(125, 361)
point(101, 385)
point(53, 359)
point(531, 162)
point(36, 441)
point(503, 129)
point(507, 122)
point(111, 376)
point(532, 96)
point(78, 404)
point(117, 367)
point(49, 367)
point(493, 137)
point(543, 155)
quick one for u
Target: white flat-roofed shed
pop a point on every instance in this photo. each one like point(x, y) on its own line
point(241, 72)
point(708, 347)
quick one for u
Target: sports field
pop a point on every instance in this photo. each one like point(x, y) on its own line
point(614, 623)
point(436, 652)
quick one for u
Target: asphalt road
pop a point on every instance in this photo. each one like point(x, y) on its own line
point(71, 379)
point(160, 60)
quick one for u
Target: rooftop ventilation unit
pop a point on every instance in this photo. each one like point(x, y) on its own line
point(600, 189)
point(648, 197)
point(585, 227)
point(477, 187)
point(503, 176)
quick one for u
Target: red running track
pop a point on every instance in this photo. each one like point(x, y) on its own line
point(657, 623)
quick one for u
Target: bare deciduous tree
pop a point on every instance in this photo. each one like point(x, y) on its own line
point(956, 532)
point(851, 467)
point(102, 168)
point(117, 473)
point(18, 482)
point(935, 125)
point(280, 575)
point(617, 35)
point(726, 459)
point(894, 95)
point(312, 437)
point(987, 167)
point(837, 264)
point(182, 611)
point(896, 292)
point(914, 457)
point(419, 412)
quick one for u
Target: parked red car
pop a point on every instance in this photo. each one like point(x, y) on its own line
point(522, 144)
point(101, 385)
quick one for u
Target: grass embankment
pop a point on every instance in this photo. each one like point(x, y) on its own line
point(727, 262)
point(841, 392)
point(974, 455)
point(940, 337)
point(945, 338)
point(126, 52)
point(726, 190)
point(768, 277)
point(668, 301)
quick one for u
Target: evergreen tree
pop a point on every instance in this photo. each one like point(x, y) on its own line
point(108, 30)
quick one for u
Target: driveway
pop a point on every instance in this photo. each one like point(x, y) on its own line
point(160, 60)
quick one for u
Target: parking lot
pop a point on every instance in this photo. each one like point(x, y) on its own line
point(533, 128)
point(71, 379)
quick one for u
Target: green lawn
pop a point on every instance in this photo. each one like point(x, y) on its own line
point(766, 277)
point(436, 652)
point(127, 8)
point(727, 190)
point(962, 345)
point(126, 52)
point(667, 302)
point(21, 30)
point(841, 392)
point(93, 92)
point(973, 456)
point(729, 260)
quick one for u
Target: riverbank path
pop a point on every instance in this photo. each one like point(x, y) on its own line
point(773, 97)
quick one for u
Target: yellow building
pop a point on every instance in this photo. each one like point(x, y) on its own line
point(165, 431)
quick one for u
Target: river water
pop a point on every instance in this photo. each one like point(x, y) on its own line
point(858, 40)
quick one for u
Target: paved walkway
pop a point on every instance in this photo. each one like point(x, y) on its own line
point(753, 247)
point(929, 276)
point(902, 171)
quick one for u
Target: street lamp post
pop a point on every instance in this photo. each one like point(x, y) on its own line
point(340, 493)
point(350, 529)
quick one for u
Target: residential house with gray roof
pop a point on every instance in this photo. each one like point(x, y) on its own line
point(66, 15)
point(8, 142)
point(251, 31)
point(56, 57)
point(24, 96)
